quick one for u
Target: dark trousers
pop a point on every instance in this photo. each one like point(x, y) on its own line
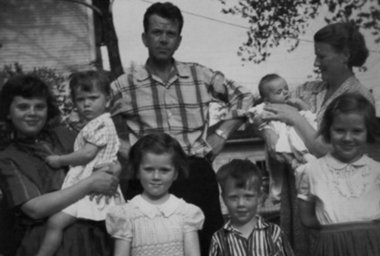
point(289, 216)
point(200, 189)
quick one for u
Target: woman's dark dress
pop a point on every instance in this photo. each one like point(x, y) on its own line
point(24, 175)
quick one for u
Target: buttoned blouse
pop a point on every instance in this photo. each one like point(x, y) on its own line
point(342, 192)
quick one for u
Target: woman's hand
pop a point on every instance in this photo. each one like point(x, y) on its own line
point(298, 103)
point(104, 179)
point(281, 112)
point(113, 169)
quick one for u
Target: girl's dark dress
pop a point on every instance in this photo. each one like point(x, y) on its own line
point(24, 175)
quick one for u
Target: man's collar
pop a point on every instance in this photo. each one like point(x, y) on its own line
point(142, 72)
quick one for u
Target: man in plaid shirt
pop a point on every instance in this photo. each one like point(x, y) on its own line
point(169, 96)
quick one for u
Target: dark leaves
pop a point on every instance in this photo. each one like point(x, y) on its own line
point(283, 21)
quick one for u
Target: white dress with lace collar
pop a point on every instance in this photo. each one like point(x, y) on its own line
point(154, 229)
point(342, 192)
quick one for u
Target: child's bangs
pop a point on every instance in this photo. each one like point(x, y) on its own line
point(248, 183)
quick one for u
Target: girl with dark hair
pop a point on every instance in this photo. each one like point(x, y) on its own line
point(32, 188)
point(156, 222)
point(339, 193)
point(338, 48)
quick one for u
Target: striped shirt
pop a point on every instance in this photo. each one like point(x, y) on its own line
point(266, 239)
point(179, 107)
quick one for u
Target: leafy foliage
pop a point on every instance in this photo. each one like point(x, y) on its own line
point(275, 21)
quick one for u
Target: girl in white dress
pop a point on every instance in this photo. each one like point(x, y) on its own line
point(97, 143)
point(339, 194)
point(156, 223)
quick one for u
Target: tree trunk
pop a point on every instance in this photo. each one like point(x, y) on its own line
point(108, 36)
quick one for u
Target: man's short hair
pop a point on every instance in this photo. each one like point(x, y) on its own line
point(244, 172)
point(165, 10)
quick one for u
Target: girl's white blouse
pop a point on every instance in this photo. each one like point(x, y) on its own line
point(341, 192)
point(154, 229)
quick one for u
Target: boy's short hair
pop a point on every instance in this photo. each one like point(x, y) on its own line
point(265, 79)
point(243, 171)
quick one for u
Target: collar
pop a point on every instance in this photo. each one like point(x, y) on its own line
point(338, 165)
point(180, 69)
point(260, 225)
point(349, 82)
point(322, 85)
point(104, 116)
point(166, 209)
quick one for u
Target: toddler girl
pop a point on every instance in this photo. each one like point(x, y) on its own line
point(340, 192)
point(97, 143)
point(156, 222)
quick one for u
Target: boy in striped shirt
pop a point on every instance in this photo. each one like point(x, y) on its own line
point(245, 233)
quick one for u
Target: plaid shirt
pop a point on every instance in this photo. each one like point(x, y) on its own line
point(266, 239)
point(179, 107)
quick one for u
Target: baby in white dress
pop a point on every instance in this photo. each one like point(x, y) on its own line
point(274, 89)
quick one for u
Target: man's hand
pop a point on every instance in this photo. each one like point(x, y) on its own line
point(125, 146)
point(53, 161)
point(217, 143)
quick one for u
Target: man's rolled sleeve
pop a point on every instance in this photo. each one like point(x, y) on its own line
point(237, 98)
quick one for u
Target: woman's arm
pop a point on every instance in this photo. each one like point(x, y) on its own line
point(80, 157)
point(47, 204)
point(307, 214)
point(122, 248)
point(191, 244)
point(291, 116)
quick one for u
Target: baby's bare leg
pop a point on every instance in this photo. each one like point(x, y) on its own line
point(54, 233)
